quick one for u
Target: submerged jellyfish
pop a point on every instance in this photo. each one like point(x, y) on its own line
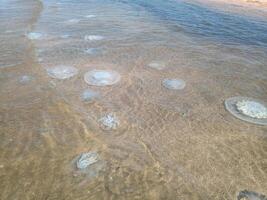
point(93, 37)
point(250, 195)
point(102, 77)
point(109, 122)
point(89, 95)
point(90, 16)
point(157, 65)
point(247, 109)
point(92, 51)
point(25, 79)
point(73, 21)
point(34, 36)
point(173, 84)
point(87, 159)
point(62, 72)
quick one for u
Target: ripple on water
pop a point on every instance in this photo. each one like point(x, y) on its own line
point(174, 84)
point(109, 122)
point(247, 109)
point(90, 16)
point(62, 72)
point(93, 51)
point(102, 77)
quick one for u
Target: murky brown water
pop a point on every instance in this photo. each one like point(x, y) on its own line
point(170, 144)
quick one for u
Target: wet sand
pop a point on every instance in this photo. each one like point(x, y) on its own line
point(168, 145)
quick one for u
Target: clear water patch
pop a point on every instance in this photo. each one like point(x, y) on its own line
point(247, 109)
point(62, 72)
point(102, 77)
point(174, 84)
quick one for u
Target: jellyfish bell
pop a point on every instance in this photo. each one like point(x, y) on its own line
point(247, 109)
point(35, 36)
point(157, 65)
point(174, 84)
point(62, 72)
point(87, 159)
point(25, 79)
point(93, 37)
point(92, 51)
point(102, 77)
point(90, 16)
point(73, 21)
point(89, 95)
point(109, 122)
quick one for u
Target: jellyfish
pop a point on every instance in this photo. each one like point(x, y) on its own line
point(62, 72)
point(89, 95)
point(109, 122)
point(102, 77)
point(34, 36)
point(174, 84)
point(93, 37)
point(73, 21)
point(87, 159)
point(247, 109)
point(90, 16)
point(157, 65)
point(92, 51)
point(250, 195)
point(25, 79)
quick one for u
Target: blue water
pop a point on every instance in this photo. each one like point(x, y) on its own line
point(200, 21)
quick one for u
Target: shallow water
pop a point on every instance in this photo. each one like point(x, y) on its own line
point(168, 144)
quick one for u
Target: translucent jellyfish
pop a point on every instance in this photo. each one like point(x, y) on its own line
point(93, 51)
point(109, 122)
point(250, 195)
point(174, 84)
point(157, 65)
point(62, 72)
point(73, 21)
point(102, 77)
point(35, 36)
point(89, 95)
point(65, 36)
point(25, 79)
point(247, 109)
point(90, 16)
point(87, 159)
point(93, 37)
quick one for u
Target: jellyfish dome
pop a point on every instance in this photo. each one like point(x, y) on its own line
point(247, 109)
point(62, 72)
point(109, 122)
point(157, 65)
point(93, 37)
point(174, 84)
point(102, 77)
point(89, 95)
point(34, 36)
point(87, 159)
